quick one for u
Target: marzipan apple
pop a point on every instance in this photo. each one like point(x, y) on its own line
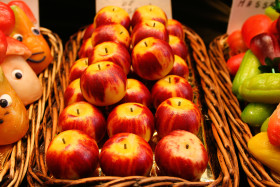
point(180, 68)
point(73, 93)
point(77, 68)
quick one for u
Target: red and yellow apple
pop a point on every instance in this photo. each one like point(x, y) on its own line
point(111, 14)
point(148, 12)
point(85, 49)
point(171, 86)
point(72, 154)
point(178, 47)
point(133, 118)
point(152, 58)
point(126, 154)
point(174, 27)
point(88, 32)
point(181, 154)
point(77, 68)
point(103, 83)
point(111, 51)
point(73, 93)
point(180, 68)
point(177, 113)
point(148, 28)
point(84, 117)
point(113, 32)
point(137, 92)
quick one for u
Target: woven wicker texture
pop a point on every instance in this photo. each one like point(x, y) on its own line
point(15, 166)
point(223, 161)
point(257, 174)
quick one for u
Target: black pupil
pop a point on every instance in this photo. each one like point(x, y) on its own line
point(3, 103)
point(19, 38)
point(18, 75)
point(36, 31)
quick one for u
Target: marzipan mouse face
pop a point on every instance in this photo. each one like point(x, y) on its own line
point(13, 115)
point(26, 32)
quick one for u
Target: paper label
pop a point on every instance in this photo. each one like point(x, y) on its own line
point(243, 9)
point(131, 5)
point(33, 5)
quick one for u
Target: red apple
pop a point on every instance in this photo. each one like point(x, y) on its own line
point(189, 160)
point(103, 83)
point(111, 51)
point(137, 92)
point(73, 93)
point(180, 68)
point(126, 154)
point(88, 32)
point(133, 118)
point(174, 27)
point(72, 154)
point(148, 28)
point(150, 12)
point(112, 14)
point(114, 32)
point(178, 47)
point(177, 113)
point(85, 49)
point(152, 58)
point(77, 68)
point(85, 117)
point(171, 86)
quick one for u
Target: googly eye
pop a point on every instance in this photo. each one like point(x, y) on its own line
point(17, 74)
point(35, 30)
point(18, 37)
point(5, 100)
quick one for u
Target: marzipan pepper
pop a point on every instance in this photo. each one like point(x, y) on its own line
point(264, 151)
point(248, 68)
point(262, 88)
point(273, 11)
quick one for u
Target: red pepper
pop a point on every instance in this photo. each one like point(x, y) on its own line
point(236, 43)
point(3, 46)
point(264, 46)
point(7, 19)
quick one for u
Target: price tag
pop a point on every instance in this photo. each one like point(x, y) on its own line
point(131, 5)
point(243, 9)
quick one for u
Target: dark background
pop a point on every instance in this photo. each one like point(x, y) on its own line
point(208, 18)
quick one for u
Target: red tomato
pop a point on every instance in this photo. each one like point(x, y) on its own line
point(236, 43)
point(7, 19)
point(3, 46)
point(273, 129)
point(25, 8)
point(254, 25)
point(234, 62)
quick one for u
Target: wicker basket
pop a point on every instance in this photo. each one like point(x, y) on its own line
point(15, 164)
point(257, 174)
point(223, 161)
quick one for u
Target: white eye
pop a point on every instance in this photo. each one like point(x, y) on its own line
point(5, 100)
point(17, 74)
point(18, 37)
point(35, 30)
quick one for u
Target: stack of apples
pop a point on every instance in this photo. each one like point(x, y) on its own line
point(129, 83)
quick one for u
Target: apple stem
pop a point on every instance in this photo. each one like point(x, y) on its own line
point(131, 109)
point(187, 146)
point(169, 79)
point(78, 111)
point(145, 44)
point(121, 32)
point(124, 146)
point(113, 9)
point(154, 24)
point(179, 103)
point(63, 140)
point(99, 66)
point(106, 50)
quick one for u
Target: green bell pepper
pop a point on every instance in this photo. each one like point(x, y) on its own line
point(248, 68)
point(262, 88)
point(273, 11)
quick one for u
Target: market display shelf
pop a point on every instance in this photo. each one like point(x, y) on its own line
point(223, 167)
point(15, 158)
point(257, 174)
